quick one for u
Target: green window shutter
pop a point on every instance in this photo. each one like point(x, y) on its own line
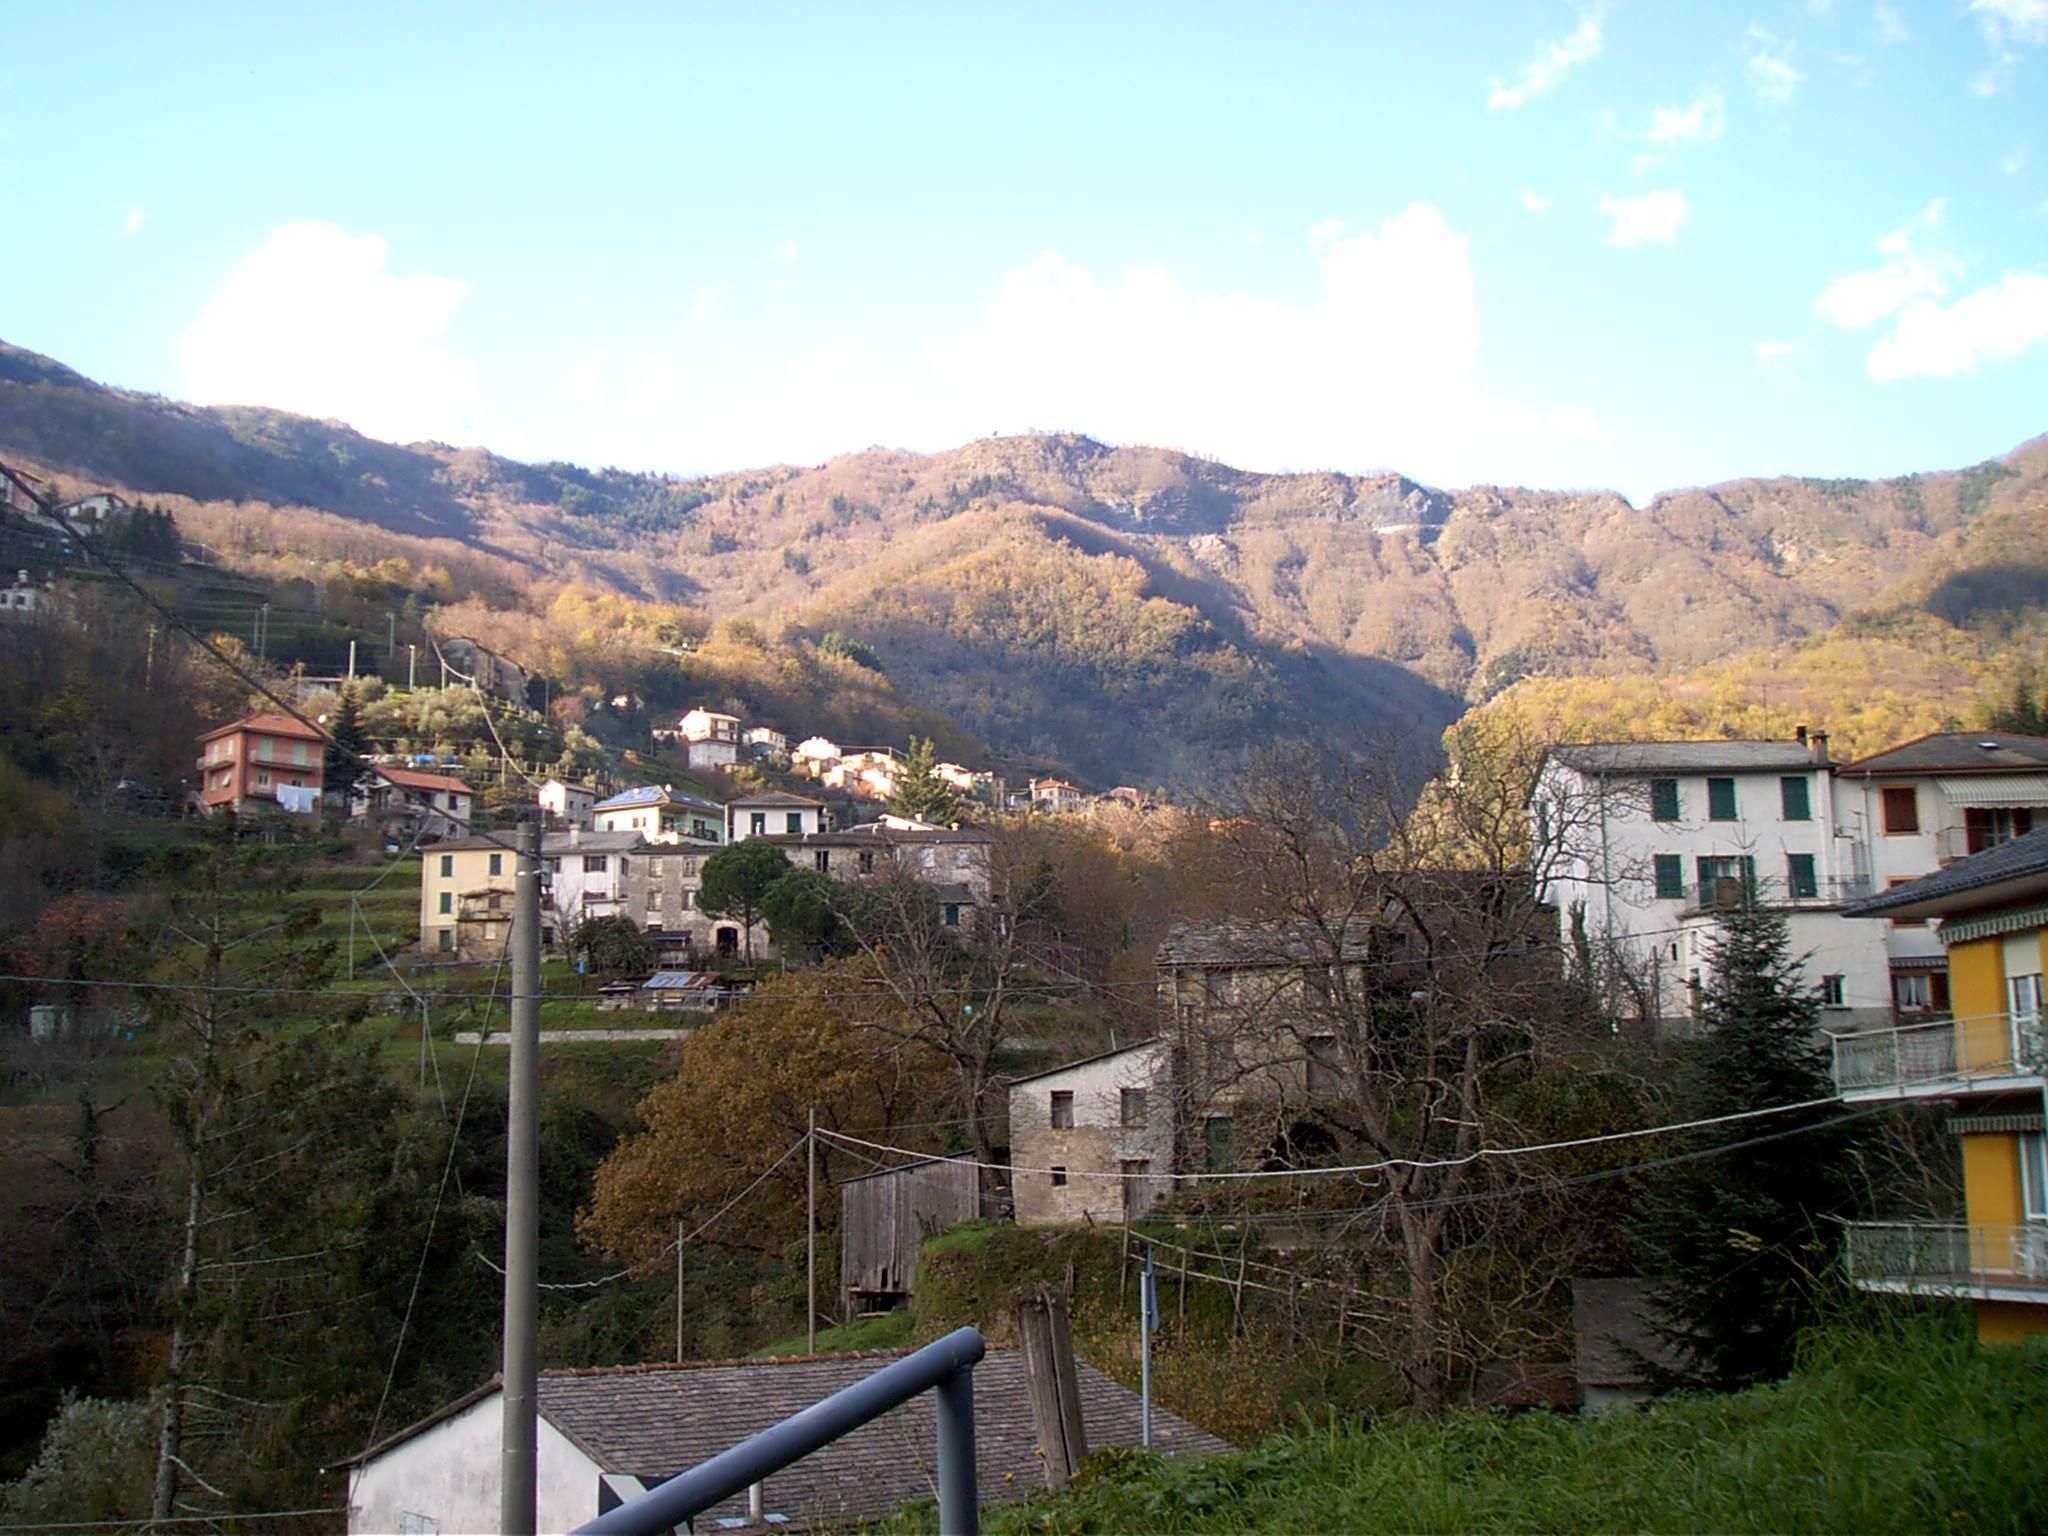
point(1792, 795)
point(1663, 799)
point(1670, 877)
point(497, 863)
point(1720, 799)
point(1799, 875)
point(1703, 868)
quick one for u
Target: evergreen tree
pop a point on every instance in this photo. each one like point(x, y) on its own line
point(1734, 1241)
point(736, 880)
point(347, 741)
point(921, 795)
point(2024, 715)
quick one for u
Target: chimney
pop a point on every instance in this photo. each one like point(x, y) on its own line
point(1799, 735)
point(1820, 746)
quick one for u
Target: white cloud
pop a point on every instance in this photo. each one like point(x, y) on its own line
point(1891, 26)
point(1997, 322)
point(1915, 265)
point(1550, 64)
point(785, 254)
point(1654, 218)
point(2015, 162)
point(2019, 21)
point(136, 217)
point(1772, 74)
point(1699, 123)
point(1533, 201)
point(1769, 351)
point(313, 322)
point(1380, 366)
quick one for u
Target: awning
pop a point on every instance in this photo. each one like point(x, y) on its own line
point(1997, 790)
point(1919, 962)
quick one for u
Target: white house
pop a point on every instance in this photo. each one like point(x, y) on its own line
point(773, 811)
point(1057, 796)
point(1925, 803)
point(98, 513)
point(814, 752)
point(661, 813)
point(765, 741)
point(702, 724)
point(404, 802)
point(606, 1435)
point(567, 805)
point(1092, 1140)
point(1647, 843)
point(585, 875)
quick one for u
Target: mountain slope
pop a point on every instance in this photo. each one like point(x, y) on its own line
point(1136, 612)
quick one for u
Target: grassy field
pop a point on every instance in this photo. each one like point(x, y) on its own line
point(1895, 1421)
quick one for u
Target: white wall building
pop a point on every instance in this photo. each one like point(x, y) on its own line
point(1925, 803)
point(1093, 1140)
point(773, 812)
point(702, 724)
point(566, 804)
point(815, 751)
point(661, 813)
point(1652, 840)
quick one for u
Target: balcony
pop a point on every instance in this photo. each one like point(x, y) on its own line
point(1728, 895)
point(1992, 1054)
point(1934, 1258)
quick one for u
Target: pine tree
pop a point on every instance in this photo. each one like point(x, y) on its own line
point(347, 741)
point(921, 795)
point(2024, 715)
point(1734, 1241)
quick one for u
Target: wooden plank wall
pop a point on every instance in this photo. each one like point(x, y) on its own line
point(883, 1219)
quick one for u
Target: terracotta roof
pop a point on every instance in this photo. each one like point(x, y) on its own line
point(1956, 752)
point(1687, 756)
point(409, 779)
point(268, 725)
point(655, 1422)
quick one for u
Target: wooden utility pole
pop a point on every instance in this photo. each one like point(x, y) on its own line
point(517, 1511)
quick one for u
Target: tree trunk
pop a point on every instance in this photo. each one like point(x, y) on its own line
point(1425, 1325)
point(171, 1435)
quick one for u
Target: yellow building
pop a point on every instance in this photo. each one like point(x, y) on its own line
point(1986, 1063)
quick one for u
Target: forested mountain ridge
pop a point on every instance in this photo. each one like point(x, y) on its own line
point(1136, 611)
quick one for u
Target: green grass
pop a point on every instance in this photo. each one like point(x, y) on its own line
point(1896, 1421)
point(965, 1237)
point(892, 1330)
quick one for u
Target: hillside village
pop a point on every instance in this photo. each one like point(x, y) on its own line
point(946, 1033)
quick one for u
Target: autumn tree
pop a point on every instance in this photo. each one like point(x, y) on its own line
point(743, 1091)
point(611, 946)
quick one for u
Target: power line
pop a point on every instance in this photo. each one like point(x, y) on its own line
point(1352, 1169)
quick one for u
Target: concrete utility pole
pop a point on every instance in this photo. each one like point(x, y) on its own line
point(412, 667)
point(517, 1514)
point(811, 1236)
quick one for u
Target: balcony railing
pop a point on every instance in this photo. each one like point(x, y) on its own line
point(1727, 895)
point(1948, 1257)
point(1944, 1055)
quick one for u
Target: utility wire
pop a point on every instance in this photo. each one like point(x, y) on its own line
point(1376, 1167)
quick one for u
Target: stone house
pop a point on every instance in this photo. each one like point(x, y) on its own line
point(1094, 1140)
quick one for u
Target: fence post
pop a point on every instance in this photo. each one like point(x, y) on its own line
point(959, 1498)
point(1051, 1380)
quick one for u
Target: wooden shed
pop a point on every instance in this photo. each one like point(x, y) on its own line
point(884, 1216)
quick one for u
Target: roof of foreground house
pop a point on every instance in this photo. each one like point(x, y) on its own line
point(653, 1421)
point(268, 725)
point(2011, 871)
point(1260, 944)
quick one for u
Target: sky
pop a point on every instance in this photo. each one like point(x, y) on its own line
point(1623, 245)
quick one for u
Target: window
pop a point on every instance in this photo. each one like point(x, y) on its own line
point(1222, 1057)
point(1904, 922)
point(262, 777)
point(1059, 1178)
point(1793, 798)
point(447, 866)
point(1920, 991)
point(952, 914)
point(1061, 1109)
point(593, 863)
point(1670, 877)
point(497, 866)
point(757, 823)
point(654, 899)
point(2034, 1175)
point(1834, 992)
point(1726, 879)
point(447, 937)
point(2024, 995)
point(821, 860)
point(1800, 879)
point(867, 861)
point(793, 822)
point(1720, 800)
point(1901, 808)
point(1218, 1137)
point(1131, 1108)
point(1323, 1066)
point(552, 865)
point(1663, 799)
point(447, 901)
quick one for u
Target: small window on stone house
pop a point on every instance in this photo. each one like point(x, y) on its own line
point(1131, 1107)
point(1061, 1109)
point(1059, 1178)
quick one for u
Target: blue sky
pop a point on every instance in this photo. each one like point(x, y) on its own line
point(1623, 245)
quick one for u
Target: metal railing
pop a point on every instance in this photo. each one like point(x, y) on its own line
point(945, 1368)
point(1903, 1057)
point(1936, 1256)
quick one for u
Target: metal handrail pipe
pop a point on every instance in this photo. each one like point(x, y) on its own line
point(945, 1365)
